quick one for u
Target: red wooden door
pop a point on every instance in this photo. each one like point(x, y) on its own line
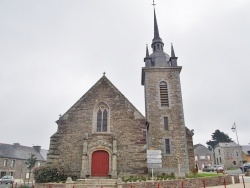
point(100, 163)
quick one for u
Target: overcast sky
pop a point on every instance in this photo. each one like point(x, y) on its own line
point(53, 51)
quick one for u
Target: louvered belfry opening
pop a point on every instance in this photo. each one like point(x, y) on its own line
point(164, 94)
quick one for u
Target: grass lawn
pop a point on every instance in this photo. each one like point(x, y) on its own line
point(204, 175)
point(233, 168)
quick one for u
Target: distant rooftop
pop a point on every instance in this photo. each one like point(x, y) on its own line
point(246, 150)
point(227, 144)
point(196, 145)
point(17, 151)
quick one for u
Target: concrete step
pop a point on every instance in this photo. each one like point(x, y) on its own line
point(95, 183)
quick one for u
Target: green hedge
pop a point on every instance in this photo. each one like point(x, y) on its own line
point(53, 173)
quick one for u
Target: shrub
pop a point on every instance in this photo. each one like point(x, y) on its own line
point(53, 173)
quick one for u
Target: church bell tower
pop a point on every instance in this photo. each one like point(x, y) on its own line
point(164, 108)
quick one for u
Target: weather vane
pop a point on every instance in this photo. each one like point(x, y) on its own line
point(154, 3)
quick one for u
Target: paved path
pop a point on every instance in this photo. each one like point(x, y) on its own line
point(238, 185)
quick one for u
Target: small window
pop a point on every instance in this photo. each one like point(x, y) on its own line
point(11, 173)
point(3, 174)
point(236, 154)
point(38, 164)
point(166, 123)
point(196, 158)
point(5, 162)
point(219, 151)
point(12, 163)
point(208, 157)
point(220, 160)
point(164, 94)
point(202, 157)
point(167, 146)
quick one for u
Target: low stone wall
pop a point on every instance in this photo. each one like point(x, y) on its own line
point(190, 182)
point(54, 185)
point(187, 183)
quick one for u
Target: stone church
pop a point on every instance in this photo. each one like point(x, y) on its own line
point(104, 135)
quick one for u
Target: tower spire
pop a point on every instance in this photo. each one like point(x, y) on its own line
point(157, 43)
point(156, 30)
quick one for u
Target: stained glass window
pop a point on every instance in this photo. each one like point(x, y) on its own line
point(104, 122)
point(102, 119)
point(99, 120)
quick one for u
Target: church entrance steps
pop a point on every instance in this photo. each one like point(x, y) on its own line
point(96, 183)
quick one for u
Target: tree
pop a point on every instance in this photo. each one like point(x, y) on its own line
point(30, 163)
point(218, 137)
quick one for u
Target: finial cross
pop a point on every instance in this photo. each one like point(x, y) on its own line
point(104, 73)
point(154, 3)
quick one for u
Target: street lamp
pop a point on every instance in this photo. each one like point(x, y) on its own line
point(235, 130)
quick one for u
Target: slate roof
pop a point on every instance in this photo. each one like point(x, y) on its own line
point(17, 151)
point(196, 145)
point(44, 153)
point(246, 150)
point(227, 144)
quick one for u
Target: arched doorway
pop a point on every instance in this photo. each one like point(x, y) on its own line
point(100, 163)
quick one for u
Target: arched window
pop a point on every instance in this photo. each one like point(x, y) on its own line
point(102, 119)
point(164, 94)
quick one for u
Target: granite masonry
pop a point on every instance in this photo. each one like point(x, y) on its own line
point(104, 135)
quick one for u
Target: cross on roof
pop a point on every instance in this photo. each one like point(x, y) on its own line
point(153, 3)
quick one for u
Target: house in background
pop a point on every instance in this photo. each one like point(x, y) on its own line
point(13, 158)
point(203, 156)
point(228, 154)
point(246, 154)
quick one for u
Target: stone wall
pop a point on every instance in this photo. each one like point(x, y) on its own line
point(19, 170)
point(190, 149)
point(155, 114)
point(125, 140)
point(204, 157)
point(191, 183)
point(227, 154)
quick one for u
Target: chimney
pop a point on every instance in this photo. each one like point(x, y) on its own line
point(16, 145)
point(37, 148)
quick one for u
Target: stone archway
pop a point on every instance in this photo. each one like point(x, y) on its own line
point(97, 157)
